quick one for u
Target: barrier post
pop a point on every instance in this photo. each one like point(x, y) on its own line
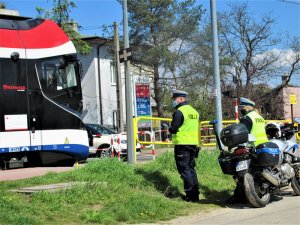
point(142, 133)
point(135, 137)
point(167, 135)
point(119, 147)
point(236, 110)
point(112, 146)
point(153, 148)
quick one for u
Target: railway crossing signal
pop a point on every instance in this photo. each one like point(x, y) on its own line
point(125, 55)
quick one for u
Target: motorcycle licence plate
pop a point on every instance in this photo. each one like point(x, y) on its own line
point(242, 165)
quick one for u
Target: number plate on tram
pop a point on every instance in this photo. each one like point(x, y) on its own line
point(242, 165)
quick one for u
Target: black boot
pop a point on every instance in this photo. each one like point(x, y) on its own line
point(191, 196)
point(195, 194)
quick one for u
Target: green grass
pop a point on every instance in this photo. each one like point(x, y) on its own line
point(114, 192)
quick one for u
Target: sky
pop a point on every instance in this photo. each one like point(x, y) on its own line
point(91, 15)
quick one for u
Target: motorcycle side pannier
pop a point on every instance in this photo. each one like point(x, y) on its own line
point(227, 165)
point(233, 135)
point(268, 154)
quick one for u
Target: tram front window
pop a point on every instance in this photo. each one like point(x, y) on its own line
point(60, 80)
point(57, 75)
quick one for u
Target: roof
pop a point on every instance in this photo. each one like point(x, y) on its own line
point(94, 38)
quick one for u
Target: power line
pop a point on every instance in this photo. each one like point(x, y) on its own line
point(82, 28)
point(297, 2)
point(94, 27)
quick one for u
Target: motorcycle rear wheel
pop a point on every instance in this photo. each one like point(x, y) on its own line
point(255, 196)
point(295, 184)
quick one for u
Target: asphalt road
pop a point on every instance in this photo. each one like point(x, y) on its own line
point(23, 173)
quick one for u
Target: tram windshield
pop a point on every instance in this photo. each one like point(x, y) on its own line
point(60, 80)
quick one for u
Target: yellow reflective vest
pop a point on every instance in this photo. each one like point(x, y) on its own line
point(188, 133)
point(258, 128)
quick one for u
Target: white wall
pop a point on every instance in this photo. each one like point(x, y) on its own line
point(90, 87)
point(90, 91)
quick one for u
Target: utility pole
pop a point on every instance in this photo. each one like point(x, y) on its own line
point(218, 105)
point(128, 92)
point(120, 119)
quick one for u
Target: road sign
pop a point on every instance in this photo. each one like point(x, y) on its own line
point(125, 55)
point(293, 99)
point(143, 103)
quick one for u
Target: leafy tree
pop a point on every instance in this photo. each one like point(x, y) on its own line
point(199, 69)
point(60, 13)
point(163, 30)
point(178, 52)
point(2, 5)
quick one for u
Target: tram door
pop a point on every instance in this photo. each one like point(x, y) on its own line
point(17, 131)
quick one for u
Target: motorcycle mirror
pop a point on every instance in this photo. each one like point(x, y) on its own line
point(213, 122)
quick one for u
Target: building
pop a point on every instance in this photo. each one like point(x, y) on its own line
point(99, 83)
point(9, 12)
point(286, 94)
point(277, 103)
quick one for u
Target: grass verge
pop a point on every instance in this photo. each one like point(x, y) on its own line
point(113, 192)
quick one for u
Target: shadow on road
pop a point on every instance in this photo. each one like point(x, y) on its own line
point(163, 185)
point(213, 197)
point(208, 196)
point(219, 198)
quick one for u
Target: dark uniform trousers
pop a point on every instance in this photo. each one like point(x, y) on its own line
point(185, 161)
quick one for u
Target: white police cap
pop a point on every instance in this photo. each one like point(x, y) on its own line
point(244, 101)
point(177, 93)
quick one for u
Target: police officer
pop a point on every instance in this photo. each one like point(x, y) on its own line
point(184, 129)
point(255, 124)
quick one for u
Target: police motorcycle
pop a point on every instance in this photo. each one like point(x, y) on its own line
point(283, 134)
point(264, 169)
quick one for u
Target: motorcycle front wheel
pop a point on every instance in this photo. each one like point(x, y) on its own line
point(256, 195)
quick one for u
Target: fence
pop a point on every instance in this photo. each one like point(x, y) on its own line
point(158, 136)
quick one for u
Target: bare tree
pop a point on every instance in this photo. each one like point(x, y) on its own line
point(289, 68)
point(248, 43)
point(291, 61)
point(2, 5)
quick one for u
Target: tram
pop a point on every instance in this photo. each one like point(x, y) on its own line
point(40, 95)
